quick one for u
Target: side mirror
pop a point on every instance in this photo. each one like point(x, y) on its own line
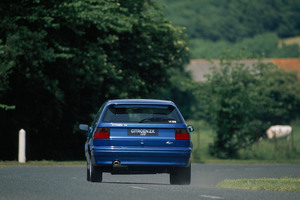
point(190, 128)
point(83, 127)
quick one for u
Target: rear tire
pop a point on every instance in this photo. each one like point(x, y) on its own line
point(94, 173)
point(88, 177)
point(88, 166)
point(181, 176)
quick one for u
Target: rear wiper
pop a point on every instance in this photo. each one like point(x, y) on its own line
point(146, 119)
point(156, 119)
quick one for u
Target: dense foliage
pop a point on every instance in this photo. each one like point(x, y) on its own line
point(214, 25)
point(61, 59)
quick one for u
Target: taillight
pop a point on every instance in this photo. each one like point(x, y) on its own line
point(182, 134)
point(101, 133)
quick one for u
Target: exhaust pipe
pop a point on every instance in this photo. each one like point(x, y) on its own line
point(116, 163)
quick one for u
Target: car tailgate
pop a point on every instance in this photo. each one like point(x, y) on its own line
point(143, 135)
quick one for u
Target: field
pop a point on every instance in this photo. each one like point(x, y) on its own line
point(260, 152)
point(289, 41)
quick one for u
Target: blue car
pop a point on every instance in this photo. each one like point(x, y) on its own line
point(139, 136)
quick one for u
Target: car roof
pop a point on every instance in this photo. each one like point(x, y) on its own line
point(140, 101)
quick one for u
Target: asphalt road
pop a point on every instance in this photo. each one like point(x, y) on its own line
point(69, 182)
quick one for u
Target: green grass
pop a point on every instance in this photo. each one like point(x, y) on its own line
point(260, 152)
point(285, 184)
point(41, 163)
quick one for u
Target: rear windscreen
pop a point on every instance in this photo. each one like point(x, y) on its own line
point(142, 114)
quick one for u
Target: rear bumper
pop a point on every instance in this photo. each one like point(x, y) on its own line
point(133, 156)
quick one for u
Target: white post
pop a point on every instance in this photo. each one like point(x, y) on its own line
point(22, 145)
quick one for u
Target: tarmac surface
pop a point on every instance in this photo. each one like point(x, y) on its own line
point(69, 182)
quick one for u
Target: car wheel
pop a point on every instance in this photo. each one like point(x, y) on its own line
point(88, 177)
point(181, 176)
point(94, 173)
point(88, 166)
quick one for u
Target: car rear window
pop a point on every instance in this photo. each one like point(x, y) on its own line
point(142, 114)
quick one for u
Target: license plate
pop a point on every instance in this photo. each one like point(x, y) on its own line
point(142, 132)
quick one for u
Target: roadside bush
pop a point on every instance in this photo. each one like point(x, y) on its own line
point(241, 102)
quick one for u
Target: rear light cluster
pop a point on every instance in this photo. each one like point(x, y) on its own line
point(182, 134)
point(101, 133)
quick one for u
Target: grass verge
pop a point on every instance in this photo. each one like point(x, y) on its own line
point(41, 163)
point(285, 184)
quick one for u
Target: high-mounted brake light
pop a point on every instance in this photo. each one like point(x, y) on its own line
point(182, 134)
point(101, 133)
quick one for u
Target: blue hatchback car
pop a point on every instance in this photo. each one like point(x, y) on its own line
point(139, 136)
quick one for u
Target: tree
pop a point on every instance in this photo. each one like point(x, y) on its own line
point(231, 101)
point(5, 69)
point(243, 101)
point(67, 57)
point(281, 90)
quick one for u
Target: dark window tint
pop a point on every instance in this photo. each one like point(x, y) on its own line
point(142, 114)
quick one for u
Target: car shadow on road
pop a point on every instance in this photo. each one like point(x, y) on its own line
point(134, 183)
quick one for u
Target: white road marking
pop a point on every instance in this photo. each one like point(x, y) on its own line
point(211, 197)
point(139, 188)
